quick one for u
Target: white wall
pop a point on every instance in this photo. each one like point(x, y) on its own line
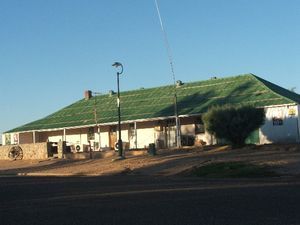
point(55, 138)
point(288, 132)
point(104, 139)
point(298, 124)
point(124, 134)
point(79, 136)
point(3, 139)
point(145, 136)
point(73, 138)
point(132, 141)
point(84, 139)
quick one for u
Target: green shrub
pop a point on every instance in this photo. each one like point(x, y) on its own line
point(233, 123)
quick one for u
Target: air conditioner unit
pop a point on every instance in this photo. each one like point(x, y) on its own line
point(81, 148)
point(125, 145)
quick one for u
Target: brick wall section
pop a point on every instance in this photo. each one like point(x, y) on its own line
point(30, 151)
point(4, 152)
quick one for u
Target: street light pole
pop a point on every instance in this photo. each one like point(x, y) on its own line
point(120, 143)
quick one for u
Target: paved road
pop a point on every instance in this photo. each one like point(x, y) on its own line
point(148, 200)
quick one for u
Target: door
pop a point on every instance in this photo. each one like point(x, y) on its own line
point(112, 136)
point(171, 136)
point(132, 136)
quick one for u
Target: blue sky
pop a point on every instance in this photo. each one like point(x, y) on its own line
point(51, 51)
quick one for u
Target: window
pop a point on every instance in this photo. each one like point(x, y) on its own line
point(91, 134)
point(199, 126)
point(131, 131)
point(7, 139)
point(277, 121)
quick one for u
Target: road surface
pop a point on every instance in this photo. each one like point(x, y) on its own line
point(148, 200)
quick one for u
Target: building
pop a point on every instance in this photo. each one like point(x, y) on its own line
point(148, 115)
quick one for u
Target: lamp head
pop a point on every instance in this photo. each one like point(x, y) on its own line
point(118, 64)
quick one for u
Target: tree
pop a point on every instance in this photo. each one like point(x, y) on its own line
point(233, 123)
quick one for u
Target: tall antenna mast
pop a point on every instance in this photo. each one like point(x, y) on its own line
point(167, 45)
point(96, 118)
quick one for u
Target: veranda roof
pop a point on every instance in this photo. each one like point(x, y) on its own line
point(192, 99)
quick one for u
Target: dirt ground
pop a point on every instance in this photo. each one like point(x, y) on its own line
point(283, 159)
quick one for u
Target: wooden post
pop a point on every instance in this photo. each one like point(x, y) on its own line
point(33, 137)
point(64, 135)
point(135, 135)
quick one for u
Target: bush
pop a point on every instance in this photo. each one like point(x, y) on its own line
point(233, 123)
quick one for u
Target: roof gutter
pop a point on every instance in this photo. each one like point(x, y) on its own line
point(273, 106)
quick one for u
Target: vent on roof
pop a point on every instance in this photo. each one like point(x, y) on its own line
point(111, 92)
point(87, 94)
point(179, 83)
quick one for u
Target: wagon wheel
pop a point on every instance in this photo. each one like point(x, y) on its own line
point(15, 153)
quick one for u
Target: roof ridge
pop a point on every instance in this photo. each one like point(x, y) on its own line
point(188, 82)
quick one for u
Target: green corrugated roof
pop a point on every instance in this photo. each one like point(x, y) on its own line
point(192, 98)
